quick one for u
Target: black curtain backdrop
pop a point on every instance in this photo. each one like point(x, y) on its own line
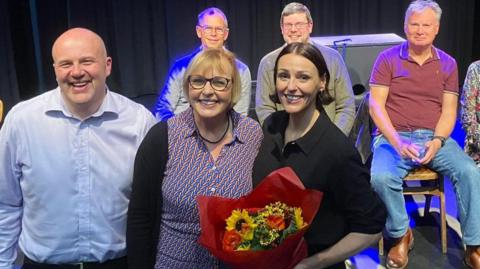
point(9, 92)
point(144, 37)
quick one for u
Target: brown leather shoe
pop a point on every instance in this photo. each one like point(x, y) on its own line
point(472, 257)
point(398, 255)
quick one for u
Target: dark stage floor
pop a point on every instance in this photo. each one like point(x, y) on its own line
point(427, 252)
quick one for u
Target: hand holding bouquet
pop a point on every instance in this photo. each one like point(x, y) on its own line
point(258, 230)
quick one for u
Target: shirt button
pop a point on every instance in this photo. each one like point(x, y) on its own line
point(214, 168)
point(212, 189)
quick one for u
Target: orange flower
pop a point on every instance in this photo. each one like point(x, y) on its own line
point(231, 240)
point(276, 222)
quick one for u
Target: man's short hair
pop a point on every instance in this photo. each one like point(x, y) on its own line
point(210, 12)
point(294, 8)
point(421, 5)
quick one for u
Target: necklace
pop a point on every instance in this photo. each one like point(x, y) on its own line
point(220, 139)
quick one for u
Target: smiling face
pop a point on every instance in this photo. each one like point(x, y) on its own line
point(297, 83)
point(208, 102)
point(421, 28)
point(212, 31)
point(81, 68)
point(296, 28)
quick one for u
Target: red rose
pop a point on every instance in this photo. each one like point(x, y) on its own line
point(276, 222)
point(231, 240)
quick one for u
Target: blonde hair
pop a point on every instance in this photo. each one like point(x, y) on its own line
point(215, 59)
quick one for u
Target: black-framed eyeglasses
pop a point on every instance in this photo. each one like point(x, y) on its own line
point(218, 83)
point(298, 25)
point(210, 29)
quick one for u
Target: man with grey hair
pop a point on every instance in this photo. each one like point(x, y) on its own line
point(413, 102)
point(296, 25)
point(212, 30)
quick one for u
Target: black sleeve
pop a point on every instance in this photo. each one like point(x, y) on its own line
point(265, 161)
point(364, 211)
point(145, 202)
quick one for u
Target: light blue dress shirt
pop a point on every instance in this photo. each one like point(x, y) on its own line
point(65, 183)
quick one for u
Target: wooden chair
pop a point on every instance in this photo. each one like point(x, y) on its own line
point(431, 185)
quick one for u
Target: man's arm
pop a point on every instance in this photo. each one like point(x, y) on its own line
point(243, 103)
point(344, 98)
point(444, 126)
point(264, 106)
point(378, 98)
point(446, 123)
point(170, 94)
point(10, 197)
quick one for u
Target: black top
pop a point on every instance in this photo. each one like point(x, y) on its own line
point(144, 211)
point(324, 160)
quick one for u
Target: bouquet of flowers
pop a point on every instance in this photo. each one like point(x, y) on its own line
point(263, 229)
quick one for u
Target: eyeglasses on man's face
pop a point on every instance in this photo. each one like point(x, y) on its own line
point(218, 83)
point(210, 29)
point(298, 25)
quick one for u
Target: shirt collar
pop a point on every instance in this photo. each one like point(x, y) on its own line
point(314, 135)
point(56, 104)
point(404, 52)
point(307, 142)
point(191, 130)
point(199, 49)
point(309, 41)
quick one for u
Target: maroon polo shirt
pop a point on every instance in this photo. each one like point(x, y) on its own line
point(415, 91)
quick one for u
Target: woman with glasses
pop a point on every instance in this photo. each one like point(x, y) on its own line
point(303, 137)
point(208, 149)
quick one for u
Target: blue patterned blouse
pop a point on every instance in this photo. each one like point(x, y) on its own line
point(191, 171)
point(471, 111)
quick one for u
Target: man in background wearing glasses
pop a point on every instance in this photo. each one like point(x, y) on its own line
point(212, 30)
point(296, 25)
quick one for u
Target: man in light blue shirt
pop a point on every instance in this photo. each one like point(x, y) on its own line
point(212, 30)
point(66, 164)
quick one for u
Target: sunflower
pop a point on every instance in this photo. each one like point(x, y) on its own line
point(297, 216)
point(240, 221)
point(244, 246)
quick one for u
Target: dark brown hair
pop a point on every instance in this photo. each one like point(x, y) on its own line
point(311, 53)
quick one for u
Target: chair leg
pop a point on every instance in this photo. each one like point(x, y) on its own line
point(443, 220)
point(380, 246)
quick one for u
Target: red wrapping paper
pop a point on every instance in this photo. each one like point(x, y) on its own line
point(281, 185)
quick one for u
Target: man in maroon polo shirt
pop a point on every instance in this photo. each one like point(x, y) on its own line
point(413, 102)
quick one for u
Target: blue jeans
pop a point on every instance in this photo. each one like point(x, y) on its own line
point(389, 169)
